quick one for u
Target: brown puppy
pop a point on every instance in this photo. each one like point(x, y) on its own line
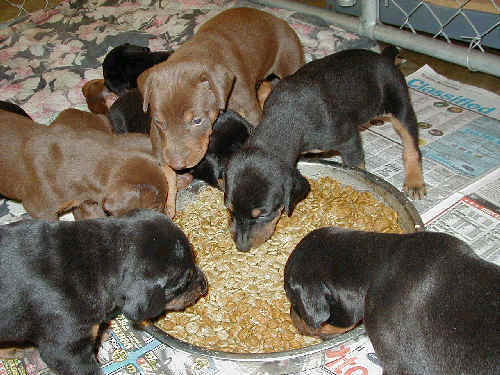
point(219, 68)
point(58, 168)
point(99, 98)
point(83, 120)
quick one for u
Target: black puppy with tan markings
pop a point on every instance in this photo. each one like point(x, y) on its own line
point(317, 109)
point(124, 63)
point(61, 280)
point(430, 305)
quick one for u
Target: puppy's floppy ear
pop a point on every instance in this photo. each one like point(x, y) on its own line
point(221, 81)
point(296, 189)
point(142, 301)
point(144, 84)
point(312, 305)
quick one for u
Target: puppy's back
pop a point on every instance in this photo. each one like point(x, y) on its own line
point(444, 301)
point(15, 131)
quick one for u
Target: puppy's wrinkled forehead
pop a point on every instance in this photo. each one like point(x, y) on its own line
point(187, 99)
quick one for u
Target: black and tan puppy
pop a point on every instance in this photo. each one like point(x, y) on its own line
point(318, 108)
point(126, 114)
point(430, 305)
point(61, 280)
point(124, 63)
point(230, 132)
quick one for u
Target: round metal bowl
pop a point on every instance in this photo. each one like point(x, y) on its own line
point(313, 356)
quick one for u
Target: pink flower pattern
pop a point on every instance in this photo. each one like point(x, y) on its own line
point(74, 38)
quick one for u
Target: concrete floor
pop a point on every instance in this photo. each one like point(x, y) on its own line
point(413, 60)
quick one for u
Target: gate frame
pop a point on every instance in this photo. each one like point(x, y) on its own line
point(368, 25)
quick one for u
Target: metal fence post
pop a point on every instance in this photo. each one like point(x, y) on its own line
point(367, 25)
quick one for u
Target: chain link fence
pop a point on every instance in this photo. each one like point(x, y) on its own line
point(464, 32)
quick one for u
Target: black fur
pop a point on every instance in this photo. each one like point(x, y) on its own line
point(230, 132)
point(60, 279)
point(14, 108)
point(430, 305)
point(127, 116)
point(256, 179)
point(124, 63)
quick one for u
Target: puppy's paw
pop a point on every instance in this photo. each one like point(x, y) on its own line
point(415, 191)
point(183, 180)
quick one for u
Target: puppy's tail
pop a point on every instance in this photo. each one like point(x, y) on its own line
point(390, 52)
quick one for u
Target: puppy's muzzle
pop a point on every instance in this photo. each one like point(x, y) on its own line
point(324, 332)
point(247, 234)
point(195, 290)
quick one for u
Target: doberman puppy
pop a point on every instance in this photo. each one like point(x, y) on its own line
point(82, 120)
point(14, 108)
point(229, 134)
point(430, 305)
point(319, 108)
point(63, 167)
point(217, 69)
point(62, 280)
point(124, 63)
point(126, 114)
point(230, 131)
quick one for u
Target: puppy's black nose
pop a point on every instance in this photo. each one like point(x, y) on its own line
point(243, 245)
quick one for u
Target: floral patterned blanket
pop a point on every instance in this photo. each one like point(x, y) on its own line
point(45, 59)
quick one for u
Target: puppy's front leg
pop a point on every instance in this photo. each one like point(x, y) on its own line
point(73, 357)
point(352, 152)
point(171, 177)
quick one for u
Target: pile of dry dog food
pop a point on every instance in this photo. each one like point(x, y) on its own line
point(246, 310)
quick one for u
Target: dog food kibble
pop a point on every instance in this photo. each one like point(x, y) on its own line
point(246, 310)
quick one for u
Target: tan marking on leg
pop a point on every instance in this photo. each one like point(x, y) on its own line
point(263, 92)
point(67, 206)
point(94, 331)
point(13, 353)
point(414, 181)
point(172, 190)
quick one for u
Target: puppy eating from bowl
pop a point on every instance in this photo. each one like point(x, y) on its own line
point(61, 280)
point(317, 109)
point(428, 302)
